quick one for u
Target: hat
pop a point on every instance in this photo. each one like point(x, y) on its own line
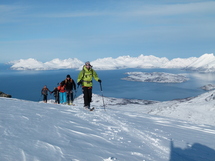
point(86, 63)
point(68, 76)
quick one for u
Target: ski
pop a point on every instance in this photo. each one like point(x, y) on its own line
point(90, 109)
point(71, 104)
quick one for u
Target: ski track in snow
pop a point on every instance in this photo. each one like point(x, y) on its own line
point(118, 129)
point(62, 132)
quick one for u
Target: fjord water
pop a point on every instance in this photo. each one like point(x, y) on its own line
point(27, 85)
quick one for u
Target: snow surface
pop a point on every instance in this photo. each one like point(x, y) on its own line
point(158, 77)
point(128, 130)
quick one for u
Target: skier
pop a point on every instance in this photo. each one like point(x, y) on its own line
point(62, 92)
point(44, 92)
point(85, 78)
point(69, 85)
point(56, 95)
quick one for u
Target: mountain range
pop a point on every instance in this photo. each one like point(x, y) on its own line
point(204, 63)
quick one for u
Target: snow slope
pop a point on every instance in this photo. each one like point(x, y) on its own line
point(127, 130)
point(205, 63)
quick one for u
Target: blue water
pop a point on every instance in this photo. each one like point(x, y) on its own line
point(27, 85)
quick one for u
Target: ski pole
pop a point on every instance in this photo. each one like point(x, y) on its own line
point(75, 93)
point(102, 95)
point(40, 98)
point(51, 98)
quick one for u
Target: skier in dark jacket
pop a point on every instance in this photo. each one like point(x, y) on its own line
point(44, 92)
point(56, 95)
point(69, 85)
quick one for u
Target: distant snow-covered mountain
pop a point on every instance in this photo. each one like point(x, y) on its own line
point(205, 63)
point(33, 64)
point(179, 62)
point(129, 62)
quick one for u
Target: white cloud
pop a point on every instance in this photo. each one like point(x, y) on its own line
point(74, 14)
point(173, 9)
point(141, 9)
point(11, 13)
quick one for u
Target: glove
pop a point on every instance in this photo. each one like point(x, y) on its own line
point(80, 82)
point(99, 81)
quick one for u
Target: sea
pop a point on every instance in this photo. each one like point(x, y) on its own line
point(27, 85)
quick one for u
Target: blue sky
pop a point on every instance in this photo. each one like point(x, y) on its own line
point(92, 29)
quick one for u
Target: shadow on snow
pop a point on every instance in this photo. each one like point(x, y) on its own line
point(196, 152)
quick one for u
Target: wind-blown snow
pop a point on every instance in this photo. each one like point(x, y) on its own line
point(127, 130)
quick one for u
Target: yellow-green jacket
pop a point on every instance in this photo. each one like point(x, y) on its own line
point(86, 76)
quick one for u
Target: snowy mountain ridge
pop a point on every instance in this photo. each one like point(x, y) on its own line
point(127, 130)
point(33, 64)
point(205, 63)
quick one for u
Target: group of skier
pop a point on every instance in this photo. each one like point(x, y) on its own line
point(64, 92)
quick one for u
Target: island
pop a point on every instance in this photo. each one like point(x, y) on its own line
point(208, 87)
point(157, 77)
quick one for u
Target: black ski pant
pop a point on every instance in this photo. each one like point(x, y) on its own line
point(69, 95)
point(87, 91)
point(57, 98)
point(45, 98)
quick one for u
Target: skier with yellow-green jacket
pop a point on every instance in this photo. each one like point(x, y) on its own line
point(85, 78)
